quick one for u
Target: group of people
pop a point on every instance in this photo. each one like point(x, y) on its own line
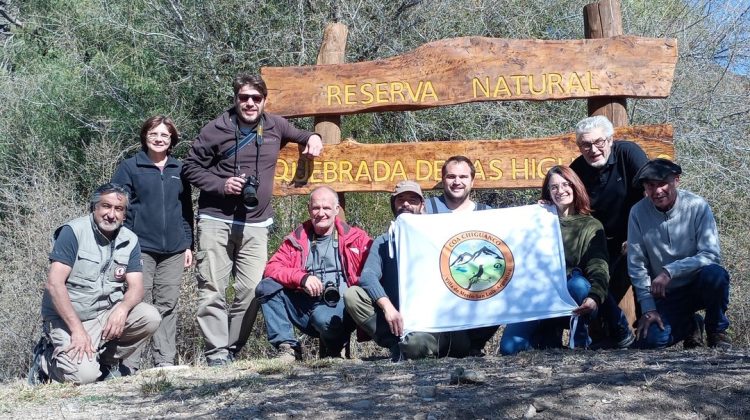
point(115, 274)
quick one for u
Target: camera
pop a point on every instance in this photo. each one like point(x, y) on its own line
point(331, 294)
point(250, 192)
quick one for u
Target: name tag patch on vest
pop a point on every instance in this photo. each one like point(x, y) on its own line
point(120, 272)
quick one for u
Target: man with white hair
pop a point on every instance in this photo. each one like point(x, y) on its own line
point(607, 169)
point(305, 279)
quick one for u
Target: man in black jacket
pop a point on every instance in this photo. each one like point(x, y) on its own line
point(607, 169)
point(232, 162)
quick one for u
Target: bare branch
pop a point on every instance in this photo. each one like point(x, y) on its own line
point(10, 18)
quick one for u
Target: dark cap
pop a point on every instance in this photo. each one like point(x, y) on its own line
point(405, 186)
point(656, 170)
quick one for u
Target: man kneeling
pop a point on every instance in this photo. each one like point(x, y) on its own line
point(92, 312)
point(372, 305)
point(306, 277)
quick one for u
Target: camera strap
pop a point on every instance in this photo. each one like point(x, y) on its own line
point(255, 136)
point(317, 257)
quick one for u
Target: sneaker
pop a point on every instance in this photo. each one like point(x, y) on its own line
point(288, 353)
point(624, 338)
point(36, 376)
point(695, 335)
point(719, 340)
point(116, 370)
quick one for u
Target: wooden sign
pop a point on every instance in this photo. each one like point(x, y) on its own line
point(352, 166)
point(472, 69)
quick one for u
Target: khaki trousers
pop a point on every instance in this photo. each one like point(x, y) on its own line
point(225, 249)
point(141, 323)
point(162, 277)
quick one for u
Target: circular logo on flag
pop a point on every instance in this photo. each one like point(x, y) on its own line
point(476, 265)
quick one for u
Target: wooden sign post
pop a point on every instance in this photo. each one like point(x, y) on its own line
point(606, 68)
point(603, 19)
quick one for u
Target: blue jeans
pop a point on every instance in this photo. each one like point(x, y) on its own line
point(284, 308)
point(709, 290)
point(547, 333)
point(619, 282)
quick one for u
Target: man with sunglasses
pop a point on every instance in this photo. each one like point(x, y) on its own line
point(607, 169)
point(232, 162)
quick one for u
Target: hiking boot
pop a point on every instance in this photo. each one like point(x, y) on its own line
point(719, 340)
point(396, 355)
point(113, 371)
point(36, 376)
point(288, 353)
point(695, 335)
point(218, 362)
point(474, 352)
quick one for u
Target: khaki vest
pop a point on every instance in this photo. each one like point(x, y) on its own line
point(97, 279)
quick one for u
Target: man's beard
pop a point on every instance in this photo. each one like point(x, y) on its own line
point(105, 226)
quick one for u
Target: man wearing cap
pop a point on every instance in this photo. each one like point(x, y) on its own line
point(674, 262)
point(607, 169)
point(373, 304)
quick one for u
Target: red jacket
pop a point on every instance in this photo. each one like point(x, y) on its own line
point(287, 265)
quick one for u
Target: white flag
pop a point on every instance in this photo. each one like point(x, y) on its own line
point(482, 268)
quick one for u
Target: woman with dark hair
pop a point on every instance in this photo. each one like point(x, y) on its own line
point(585, 247)
point(161, 214)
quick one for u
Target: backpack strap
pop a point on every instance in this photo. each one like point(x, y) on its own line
point(432, 205)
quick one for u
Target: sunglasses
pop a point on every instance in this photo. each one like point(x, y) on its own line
point(243, 97)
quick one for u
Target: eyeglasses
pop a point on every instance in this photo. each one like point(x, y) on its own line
point(557, 187)
point(155, 136)
point(243, 97)
point(598, 143)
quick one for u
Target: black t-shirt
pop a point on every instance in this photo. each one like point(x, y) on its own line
point(65, 251)
point(611, 189)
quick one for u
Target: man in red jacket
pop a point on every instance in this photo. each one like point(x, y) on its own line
point(305, 279)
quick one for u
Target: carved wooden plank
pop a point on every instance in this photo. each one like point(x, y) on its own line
point(470, 69)
point(514, 163)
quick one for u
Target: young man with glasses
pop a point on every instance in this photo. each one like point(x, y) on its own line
point(232, 162)
point(607, 169)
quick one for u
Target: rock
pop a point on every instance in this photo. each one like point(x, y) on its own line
point(530, 412)
point(362, 405)
point(465, 376)
point(541, 405)
point(427, 391)
point(543, 371)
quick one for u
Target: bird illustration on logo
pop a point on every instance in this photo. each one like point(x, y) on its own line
point(476, 265)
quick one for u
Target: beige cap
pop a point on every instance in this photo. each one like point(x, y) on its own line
point(405, 186)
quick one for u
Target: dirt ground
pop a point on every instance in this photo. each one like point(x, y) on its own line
point(624, 384)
